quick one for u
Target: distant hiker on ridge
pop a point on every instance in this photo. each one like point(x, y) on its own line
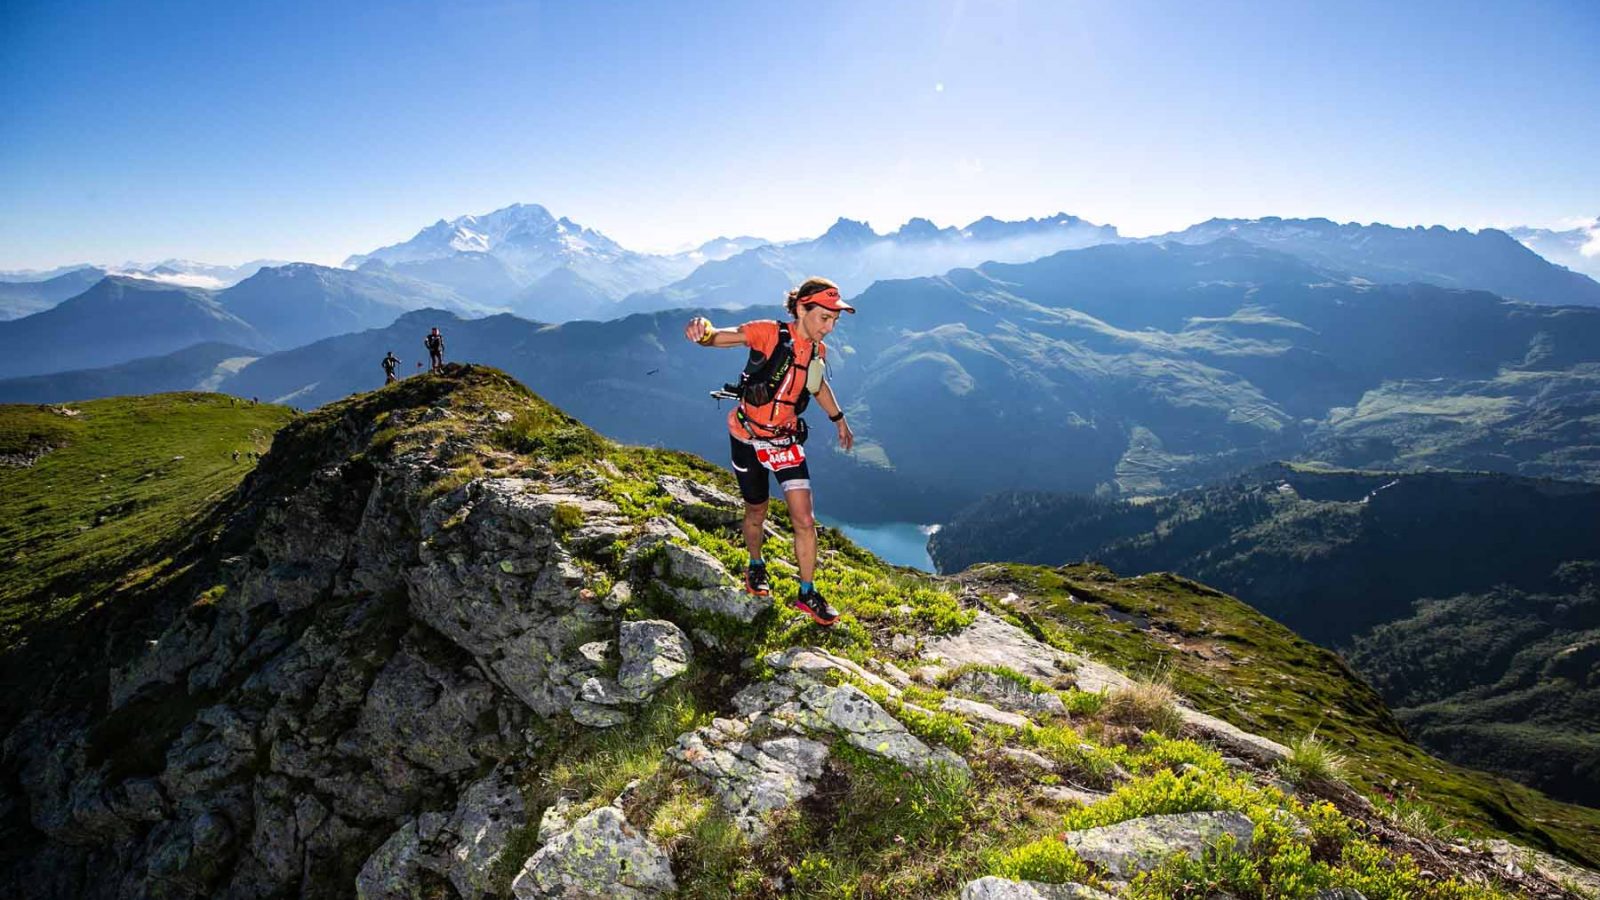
point(785, 369)
point(389, 362)
point(435, 344)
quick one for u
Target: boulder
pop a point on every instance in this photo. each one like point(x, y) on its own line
point(1028, 759)
point(695, 579)
point(1072, 796)
point(1007, 694)
point(489, 812)
point(701, 504)
point(815, 661)
point(602, 857)
point(1139, 845)
point(464, 846)
point(993, 888)
point(983, 712)
point(992, 641)
point(597, 716)
point(752, 778)
point(653, 652)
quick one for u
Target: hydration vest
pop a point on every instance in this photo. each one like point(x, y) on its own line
point(762, 376)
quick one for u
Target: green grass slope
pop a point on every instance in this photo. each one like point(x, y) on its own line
point(1242, 666)
point(111, 487)
point(1471, 601)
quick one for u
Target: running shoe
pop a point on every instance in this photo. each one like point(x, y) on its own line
point(755, 580)
point(812, 604)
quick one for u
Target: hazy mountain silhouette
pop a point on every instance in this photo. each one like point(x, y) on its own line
point(117, 320)
point(1488, 260)
point(24, 298)
point(202, 367)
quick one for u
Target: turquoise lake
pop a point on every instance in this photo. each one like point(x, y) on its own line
point(900, 543)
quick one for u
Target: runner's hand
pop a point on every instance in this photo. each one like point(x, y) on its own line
point(847, 438)
point(697, 329)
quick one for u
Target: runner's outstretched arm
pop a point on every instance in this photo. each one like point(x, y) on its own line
point(702, 332)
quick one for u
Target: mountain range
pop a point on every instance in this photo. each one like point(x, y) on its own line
point(852, 254)
point(508, 257)
point(25, 297)
point(121, 319)
point(1131, 368)
point(1489, 260)
point(26, 292)
point(117, 320)
point(524, 260)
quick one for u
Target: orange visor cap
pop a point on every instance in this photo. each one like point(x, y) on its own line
point(828, 298)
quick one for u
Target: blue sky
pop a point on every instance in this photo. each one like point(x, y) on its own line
point(230, 131)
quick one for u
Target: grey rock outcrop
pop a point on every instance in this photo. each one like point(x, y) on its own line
point(381, 645)
point(990, 640)
point(1008, 695)
point(1139, 845)
point(695, 579)
point(993, 888)
point(983, 712)
point(752, 776)
point(770, 757)
point(653, 652)
point(599, 858)
point(1072, 796)
point(1551, 867)
point(464, 846)
point(1028, 759)
point(701, 504)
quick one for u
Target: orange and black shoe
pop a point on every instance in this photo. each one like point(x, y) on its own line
point(812, 604)
point(755, 579)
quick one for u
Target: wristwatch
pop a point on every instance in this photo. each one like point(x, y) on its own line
point(836, 418)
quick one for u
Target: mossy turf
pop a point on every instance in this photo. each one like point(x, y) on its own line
point(122, 479)
point(1239, 665)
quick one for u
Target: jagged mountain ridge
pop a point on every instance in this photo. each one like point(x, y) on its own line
point(496, 256)
point(298, 701)
point(1488, 259)
point(853, 254)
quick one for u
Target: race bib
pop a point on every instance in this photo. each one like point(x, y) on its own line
point(775, 458)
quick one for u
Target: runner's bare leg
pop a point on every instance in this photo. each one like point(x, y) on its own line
point(755, 515)
point(805, 531)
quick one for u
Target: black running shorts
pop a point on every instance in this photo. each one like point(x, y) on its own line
point(753, 483)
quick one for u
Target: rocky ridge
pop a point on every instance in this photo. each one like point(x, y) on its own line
point(438, 601)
